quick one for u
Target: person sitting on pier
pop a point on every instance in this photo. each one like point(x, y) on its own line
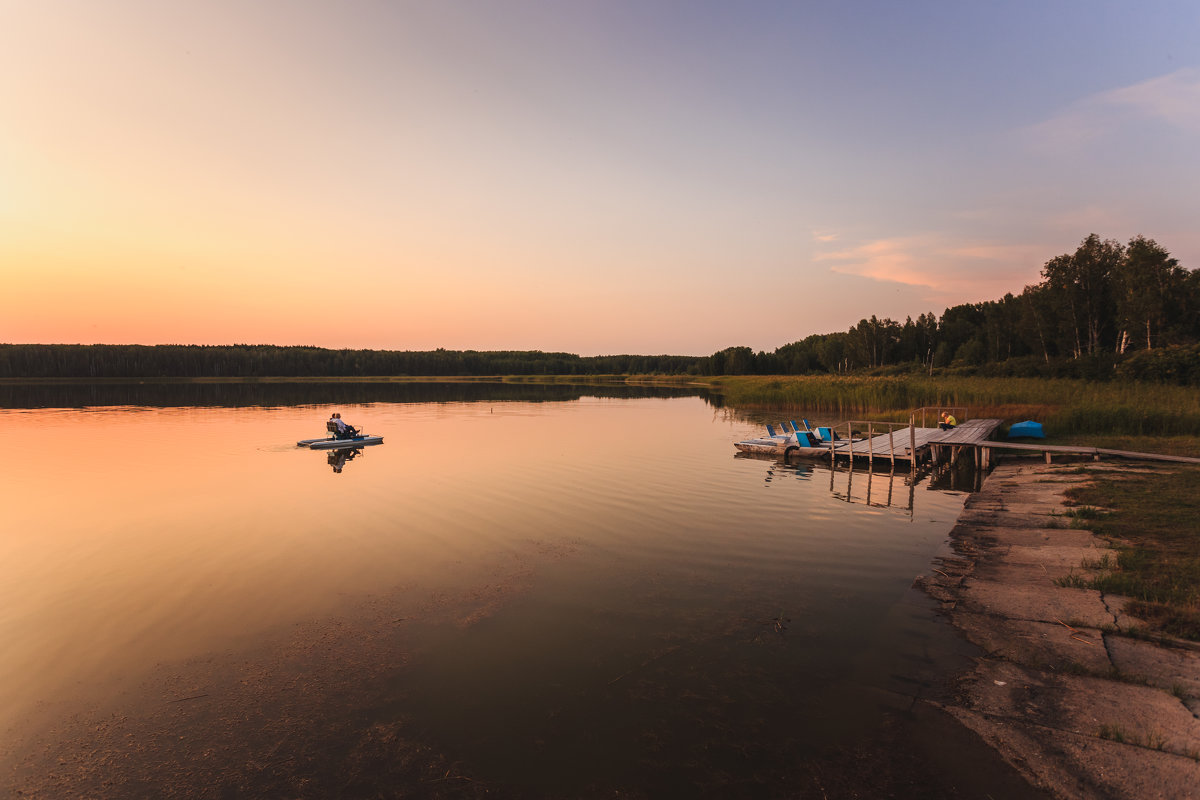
point(948, 421)
point(340, 429)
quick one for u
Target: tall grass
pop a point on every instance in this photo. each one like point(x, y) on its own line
point(1068, 406)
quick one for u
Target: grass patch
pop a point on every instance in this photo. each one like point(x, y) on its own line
point(1156, 560)
point(1087, 512)
point(1115, 733)
point(1105, 562)
point(1073, 580)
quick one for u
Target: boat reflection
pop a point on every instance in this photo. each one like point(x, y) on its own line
point(784, 469)
point(338, 457)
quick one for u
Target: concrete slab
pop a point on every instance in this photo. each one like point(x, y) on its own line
point(1085, 737)
point(1047, 646)
point(1019, 744)
point(1032, 536)
point(1079, 710)
point(1000, 571)
point(1049, 603)
point(1143, 716)
point(1117, 605)
point(1056, 556)
point(1128, 771)
point(1174, 669)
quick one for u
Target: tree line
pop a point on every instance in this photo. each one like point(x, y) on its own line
point(77, 394)
point(260, 361)
point(1106, 310)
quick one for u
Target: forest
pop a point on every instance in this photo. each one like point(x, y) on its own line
point(261, 361)
point(1108, 310)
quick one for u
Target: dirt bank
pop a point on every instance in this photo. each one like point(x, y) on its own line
point(1065, 690)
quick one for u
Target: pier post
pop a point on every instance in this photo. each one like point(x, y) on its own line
point(850, 480)
point(850, 444)
point(870, 445)
point(912, 445)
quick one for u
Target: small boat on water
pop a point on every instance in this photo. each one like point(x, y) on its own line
point(331, 442)
point(806, 439)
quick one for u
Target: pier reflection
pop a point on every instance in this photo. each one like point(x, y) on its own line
point(876, 488)
point(881, 487)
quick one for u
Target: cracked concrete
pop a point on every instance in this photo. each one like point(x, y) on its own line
point(1063, 691)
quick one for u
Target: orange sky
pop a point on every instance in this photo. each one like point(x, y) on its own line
point(589, 177)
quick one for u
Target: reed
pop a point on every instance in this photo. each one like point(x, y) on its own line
point(1064, 405)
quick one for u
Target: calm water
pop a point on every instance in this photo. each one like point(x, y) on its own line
point(567, 597)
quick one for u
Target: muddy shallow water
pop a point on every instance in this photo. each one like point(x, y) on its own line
point(584, 596)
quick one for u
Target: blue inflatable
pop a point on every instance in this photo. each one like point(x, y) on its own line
point(1026, 430)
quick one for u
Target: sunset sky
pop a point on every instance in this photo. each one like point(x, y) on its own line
point(599, 176)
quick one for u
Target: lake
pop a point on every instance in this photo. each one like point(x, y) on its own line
point(525, 591)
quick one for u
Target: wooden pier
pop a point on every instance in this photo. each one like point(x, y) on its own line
point(1048, 450)
point(900, 444)
point(910, 445)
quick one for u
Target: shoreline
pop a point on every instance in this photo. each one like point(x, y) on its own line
point(1063, 690)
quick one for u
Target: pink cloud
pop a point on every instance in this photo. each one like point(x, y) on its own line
point(951, 270)
point(1172, 99)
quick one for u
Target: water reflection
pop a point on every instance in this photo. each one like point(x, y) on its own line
point(563, 600)
point(783, 469)
point(338, 457)
point(282, 393)
point(875, 487)
point(960, 477)
point(878, 487)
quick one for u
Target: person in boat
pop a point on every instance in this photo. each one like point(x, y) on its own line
point(948, 421)
point(343, 431)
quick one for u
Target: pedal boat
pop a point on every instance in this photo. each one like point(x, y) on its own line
point(330, 442)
